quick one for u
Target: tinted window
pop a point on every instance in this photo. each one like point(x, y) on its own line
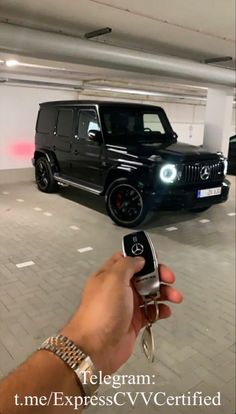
point(46, 120)
point(87, 120)
point(129, 125)
point(64, 123)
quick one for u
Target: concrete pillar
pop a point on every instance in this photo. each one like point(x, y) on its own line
point(218, 119)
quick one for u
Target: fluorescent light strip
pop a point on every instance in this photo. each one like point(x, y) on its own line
point(11, 62)
point(142, 92)
point(145, 93)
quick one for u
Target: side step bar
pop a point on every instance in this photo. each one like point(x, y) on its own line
point(66, 181)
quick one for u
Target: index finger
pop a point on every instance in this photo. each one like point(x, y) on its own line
point(166, 274)
point(110, 262)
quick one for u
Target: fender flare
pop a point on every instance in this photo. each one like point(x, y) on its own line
point(51, 158)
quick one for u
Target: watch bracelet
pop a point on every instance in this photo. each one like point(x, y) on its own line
point(76, 359)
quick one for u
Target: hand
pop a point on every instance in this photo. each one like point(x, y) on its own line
point(109, 318)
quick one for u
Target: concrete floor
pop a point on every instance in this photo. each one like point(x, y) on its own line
point(195, 346)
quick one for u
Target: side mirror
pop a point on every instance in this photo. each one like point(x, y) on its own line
point(95, 135)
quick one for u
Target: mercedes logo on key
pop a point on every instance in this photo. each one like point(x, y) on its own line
point(137, 249)
point(205, 172)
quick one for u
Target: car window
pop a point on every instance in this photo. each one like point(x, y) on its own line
point(87, 120)
point(46, 120)
point(153, 123)
point(65, 122)
point(232, 140)
point(124, 125)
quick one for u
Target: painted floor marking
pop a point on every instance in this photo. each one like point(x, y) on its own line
point(171, 228)
point(20, 200)
point(85, 249)
point(74, 228)
point(5, 192)
point(25, 264)
point(231, 214)
point(47, 214)
point(38, 209)
point(204, 221)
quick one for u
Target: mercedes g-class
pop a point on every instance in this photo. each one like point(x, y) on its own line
point(127, 152)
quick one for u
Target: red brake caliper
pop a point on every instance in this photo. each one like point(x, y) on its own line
point(118, 200)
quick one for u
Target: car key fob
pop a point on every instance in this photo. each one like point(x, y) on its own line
point(147, 281)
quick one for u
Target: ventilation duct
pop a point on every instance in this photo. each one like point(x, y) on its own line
point(59, 47)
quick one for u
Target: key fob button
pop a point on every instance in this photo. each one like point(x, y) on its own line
point(138, 244)
point(147, 281)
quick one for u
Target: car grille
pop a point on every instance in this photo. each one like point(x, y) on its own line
point(192, 172)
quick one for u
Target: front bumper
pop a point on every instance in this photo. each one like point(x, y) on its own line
point(186, 197)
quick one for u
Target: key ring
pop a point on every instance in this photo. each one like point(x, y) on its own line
point(145, 305)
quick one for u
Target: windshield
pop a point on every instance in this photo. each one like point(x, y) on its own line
point(127, 125)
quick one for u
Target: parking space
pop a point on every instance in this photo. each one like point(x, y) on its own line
point(52, 242)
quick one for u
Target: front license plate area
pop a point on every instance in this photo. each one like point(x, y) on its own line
point(209, 192)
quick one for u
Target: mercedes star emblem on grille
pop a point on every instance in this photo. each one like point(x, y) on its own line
point(137, 249)
point(205, 172)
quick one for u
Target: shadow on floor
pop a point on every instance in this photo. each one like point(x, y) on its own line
point(155, 219)
point(84, 198)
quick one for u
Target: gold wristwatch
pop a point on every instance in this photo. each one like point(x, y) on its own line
point(80, 363)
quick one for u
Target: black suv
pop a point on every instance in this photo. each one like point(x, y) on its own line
point(127, 152)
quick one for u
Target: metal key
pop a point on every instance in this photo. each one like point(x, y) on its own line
point(147, 340)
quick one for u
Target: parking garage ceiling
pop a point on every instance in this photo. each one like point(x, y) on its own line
point(181, 28)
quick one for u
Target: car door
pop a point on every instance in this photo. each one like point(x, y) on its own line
point(86, 153)
point(62, 139)
point(232, 155)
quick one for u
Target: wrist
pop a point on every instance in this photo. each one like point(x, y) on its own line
point(76, 360)
point(87, 344)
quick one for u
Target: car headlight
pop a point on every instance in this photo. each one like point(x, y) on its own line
point(225, 166)
point(168, 173)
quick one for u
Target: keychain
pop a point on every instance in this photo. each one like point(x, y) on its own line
point(146, 282)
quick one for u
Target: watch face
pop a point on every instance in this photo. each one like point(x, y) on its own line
point(137, 244)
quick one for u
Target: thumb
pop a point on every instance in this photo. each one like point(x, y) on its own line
point(126, 267)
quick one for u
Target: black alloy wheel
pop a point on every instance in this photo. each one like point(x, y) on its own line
point(44, 176)
point(126, 204)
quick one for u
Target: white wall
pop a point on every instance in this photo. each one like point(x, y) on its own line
point(18, 113)
point(187, 120)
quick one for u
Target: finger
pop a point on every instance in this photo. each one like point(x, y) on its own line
point(110, 262)
point(164, 312)
point(171, 294)
point(166, 274)
point(126, 267)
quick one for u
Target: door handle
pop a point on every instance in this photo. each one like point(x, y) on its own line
point(54, 147)
point(76, 152)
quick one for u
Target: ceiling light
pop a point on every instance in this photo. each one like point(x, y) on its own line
point(98, 32)
point(218, 59)
point(10, 63)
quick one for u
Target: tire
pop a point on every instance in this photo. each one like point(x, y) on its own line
point(200, 209)
point(126, 204)
point(44, 176)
